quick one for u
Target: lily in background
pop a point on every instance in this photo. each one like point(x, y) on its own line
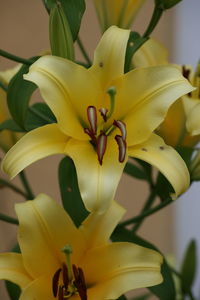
point(103, 116)
point(181, 126)
point(60, 261)
point(121, 12)
point(7, 137)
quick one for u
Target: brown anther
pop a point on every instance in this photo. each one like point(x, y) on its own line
point(101, 146)
point(79, 282)
point(122, 127)
point(65, 276)
point(92, 118)
point(61, 293)
point(122, 147)
point(55, 282)
point(104, 112)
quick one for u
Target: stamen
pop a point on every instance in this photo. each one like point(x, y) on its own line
point(112, 92)
point(122, 147)
point(60, 293)
point(122, 127)
point(92, 118)
point(103, 112)
point(101, 146)
point(55, 282)
point(79, 282)
point(65, 276)
point(68, 251)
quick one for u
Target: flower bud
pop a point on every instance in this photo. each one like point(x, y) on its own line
point(60, 34)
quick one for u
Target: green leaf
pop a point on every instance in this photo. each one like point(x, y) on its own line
point(73, 10)
point(169, 3)
point(122, 298)
point(163, 291)
point(60, 34)
point(19, 93)
point(11, 125)
point(186, 154)
point(13, 289)
point(189, 267)
point(39, 114)
point(135, 171)
point(71, 198)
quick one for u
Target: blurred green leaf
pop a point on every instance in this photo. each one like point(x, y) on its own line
point(73, 10)
point(39, 114)
point(13, 289)
point(71, 198)
point(143, 297)
point(122, 298)
point(11, 125)
point(163, 291)
point(18, 96)
point(186, 154)
point(60, 33)
point(135, 171)
point(189, 267)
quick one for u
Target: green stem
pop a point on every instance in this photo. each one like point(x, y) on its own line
point(13, 187)
point(191, 295)
point(30, 195)
point(145, 214)
point(146, 207)
point(8, 219)
point(16, 58)
point(3, 86)
point(86, 56)
point(157, 13)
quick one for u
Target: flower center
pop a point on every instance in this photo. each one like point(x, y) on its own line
point(99, 133)
point(69, 280)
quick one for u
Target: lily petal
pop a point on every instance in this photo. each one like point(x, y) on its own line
point(38, 143)
point(121, 267)
point(98, 228)
point(12, 269)
point(98, 188)
point(166, 159)
point(193, 121)
point(109, 55)
point(39, 289)
point(152, 92)
point(152, 53)
point(43, 234)
point(68, 89)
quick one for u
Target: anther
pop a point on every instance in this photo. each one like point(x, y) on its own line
point(122, 127)
point(122, 147)
point(79, 282)
point(65, 276)
point(60, 293)
point(104, 112)
point(92, 118)
point(55, 282)
point(101, 146)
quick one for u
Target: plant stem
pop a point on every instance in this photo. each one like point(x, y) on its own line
point(13, 187)
point(30, 195)
point(15, 58)
point(8, 219)
point(86, 56)
point(157, 13)
point(146, 213)
point(146, 207)
point(3, 86)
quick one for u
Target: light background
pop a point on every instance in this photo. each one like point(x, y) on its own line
point(24, 32)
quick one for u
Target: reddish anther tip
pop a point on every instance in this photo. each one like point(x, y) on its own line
point(55, 282)
point(101, 146)
point(92, 118)
point(122, 147)
point(122, 127)
point(65, 276)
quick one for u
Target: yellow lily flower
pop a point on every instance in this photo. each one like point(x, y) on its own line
point(7, 137)
point(103, 115)
point(181, 126)
point(121, 12)
point(60, 261)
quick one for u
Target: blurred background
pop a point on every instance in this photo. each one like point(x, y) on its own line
point(24, 32)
